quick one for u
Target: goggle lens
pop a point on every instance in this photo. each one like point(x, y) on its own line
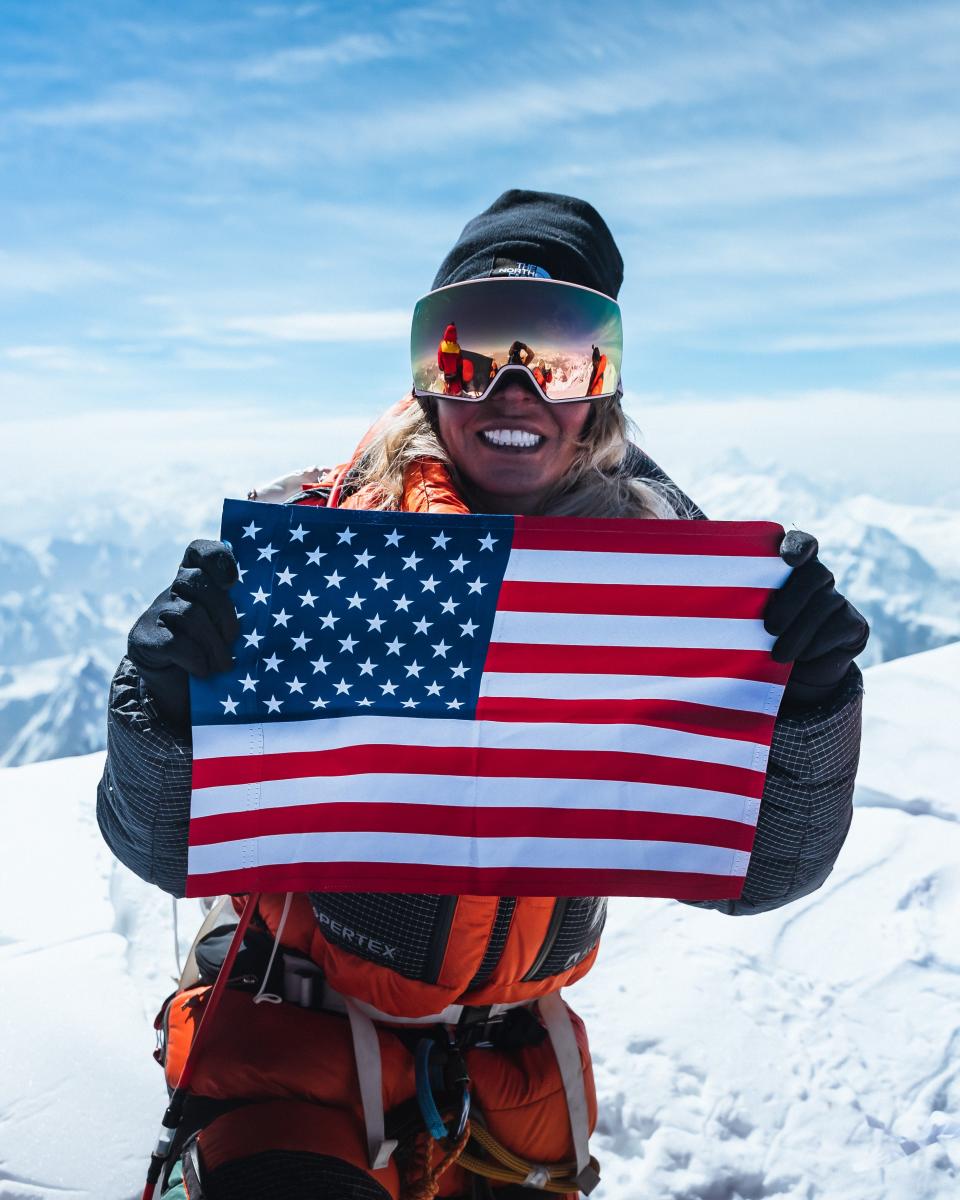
point(567, 339)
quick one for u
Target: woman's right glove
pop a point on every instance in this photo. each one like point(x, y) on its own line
point(188, 630)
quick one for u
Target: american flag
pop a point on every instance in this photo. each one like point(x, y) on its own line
point(486, 705)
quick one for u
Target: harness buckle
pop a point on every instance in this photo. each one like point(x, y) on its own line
point(477, 1026)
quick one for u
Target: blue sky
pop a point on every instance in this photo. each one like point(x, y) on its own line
point(231, 207)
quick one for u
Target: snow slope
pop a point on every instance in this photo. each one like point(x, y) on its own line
point(808, 1053)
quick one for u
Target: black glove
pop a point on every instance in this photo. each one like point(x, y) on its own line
point(188, 629)
point(816, 628)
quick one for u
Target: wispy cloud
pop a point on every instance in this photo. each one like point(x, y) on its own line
point(49, 273)
point(299, 62)
point(375, 326)
point(751, 171)
point(56, 358)
point(213, 324)
point(206, 360)
point(930, 328)
point(123, 104)
point(237, 192)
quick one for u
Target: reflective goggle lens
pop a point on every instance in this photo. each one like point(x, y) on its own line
point(569, 339)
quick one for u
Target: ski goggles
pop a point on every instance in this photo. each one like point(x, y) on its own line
point(567, 339)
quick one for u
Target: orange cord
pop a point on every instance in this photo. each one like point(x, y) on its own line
point(422, 1180)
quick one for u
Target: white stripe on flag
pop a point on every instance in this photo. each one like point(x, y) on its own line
point(591, 629)
point(458, 791)
point(663, 570)
point(744, 695)
point(441, 850)
point(310, 735)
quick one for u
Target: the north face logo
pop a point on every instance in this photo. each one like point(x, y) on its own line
point(507, 266)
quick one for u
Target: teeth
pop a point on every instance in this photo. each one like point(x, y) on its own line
point(512, 437)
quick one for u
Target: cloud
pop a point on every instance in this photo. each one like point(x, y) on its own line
point(123, 104)
point(893, 442)
point(886, 158)
point(726, 56)
point(56, 358)
point(178, 462)
point(205, 360)
point(375, 326)
point(299, 62)
point(887, 329)
point(50, 273)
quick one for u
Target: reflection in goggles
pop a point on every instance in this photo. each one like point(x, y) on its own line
point(468, 373)
point(567, 339)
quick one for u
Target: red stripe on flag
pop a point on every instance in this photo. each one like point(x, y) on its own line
point(636, 660)
point(616, 599)
point(485, 762)
point(494, 881)
point(620, 535)
point(454, 821)
point(664, 714)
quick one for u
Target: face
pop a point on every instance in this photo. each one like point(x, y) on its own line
point(481, 439)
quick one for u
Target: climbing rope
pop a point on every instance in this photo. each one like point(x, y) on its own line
point(494, 1162)
point(422, 1179)
point(507, 1167)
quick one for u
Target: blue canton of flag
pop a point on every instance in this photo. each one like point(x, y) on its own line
point(345, 612)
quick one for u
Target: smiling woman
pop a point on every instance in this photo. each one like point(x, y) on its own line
point(426, 1005)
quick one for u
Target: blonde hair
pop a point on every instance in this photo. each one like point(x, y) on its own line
point(595, 485)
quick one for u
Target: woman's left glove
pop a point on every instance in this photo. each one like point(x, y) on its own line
point(815, 627)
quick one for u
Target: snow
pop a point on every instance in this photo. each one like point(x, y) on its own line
point(810, 1052)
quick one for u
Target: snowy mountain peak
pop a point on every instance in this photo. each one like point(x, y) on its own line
point(53, 708)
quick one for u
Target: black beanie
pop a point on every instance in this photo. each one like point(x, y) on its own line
point(564, 236)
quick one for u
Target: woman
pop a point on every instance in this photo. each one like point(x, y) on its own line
point(283, 1099)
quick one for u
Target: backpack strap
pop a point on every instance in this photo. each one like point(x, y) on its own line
point(366, 1053)
point(556, 1017)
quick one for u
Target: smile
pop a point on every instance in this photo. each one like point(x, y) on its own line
point(511, 439)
